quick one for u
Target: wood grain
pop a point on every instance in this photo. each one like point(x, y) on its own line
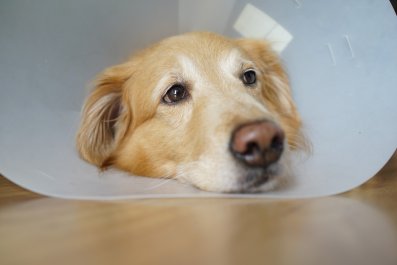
point(357, 227)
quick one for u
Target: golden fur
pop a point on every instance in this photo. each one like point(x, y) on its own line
point(126, 125)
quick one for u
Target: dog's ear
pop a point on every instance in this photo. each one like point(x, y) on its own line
point(105, 116)
point(275, 86)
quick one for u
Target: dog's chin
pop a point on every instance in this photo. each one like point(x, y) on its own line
point(241, 179)
point(259, 180)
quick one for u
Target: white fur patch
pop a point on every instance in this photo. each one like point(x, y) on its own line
point(230, 63)
point(190, 69)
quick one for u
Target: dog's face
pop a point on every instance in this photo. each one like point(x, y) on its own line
point(201, 108)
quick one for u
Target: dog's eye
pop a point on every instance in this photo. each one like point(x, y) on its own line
point(249, 77)
point(174, 94)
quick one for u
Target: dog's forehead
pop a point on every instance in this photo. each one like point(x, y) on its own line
point(225, 62)
point(197, 68)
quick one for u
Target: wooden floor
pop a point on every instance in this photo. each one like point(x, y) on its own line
point(358, 227)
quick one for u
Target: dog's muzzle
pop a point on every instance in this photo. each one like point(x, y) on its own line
point(258, 146)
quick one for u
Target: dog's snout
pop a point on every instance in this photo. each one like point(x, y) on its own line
point(258, 144)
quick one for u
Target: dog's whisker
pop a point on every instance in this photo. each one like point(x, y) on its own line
point(165, 181)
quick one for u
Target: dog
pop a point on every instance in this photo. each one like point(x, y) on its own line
point(201, 108)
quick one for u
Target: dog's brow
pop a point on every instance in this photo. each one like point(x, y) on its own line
point(161, 86)
point(231, 62)
point(189, 67)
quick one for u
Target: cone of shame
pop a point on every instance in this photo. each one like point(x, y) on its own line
point(340, 56)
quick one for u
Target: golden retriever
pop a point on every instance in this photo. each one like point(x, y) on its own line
point(200, 108)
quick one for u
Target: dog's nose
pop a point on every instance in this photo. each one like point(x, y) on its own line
point(258, 144)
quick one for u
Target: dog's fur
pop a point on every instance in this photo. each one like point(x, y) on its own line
point(126, 124)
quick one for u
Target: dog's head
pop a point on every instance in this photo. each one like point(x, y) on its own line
point(200, 108)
